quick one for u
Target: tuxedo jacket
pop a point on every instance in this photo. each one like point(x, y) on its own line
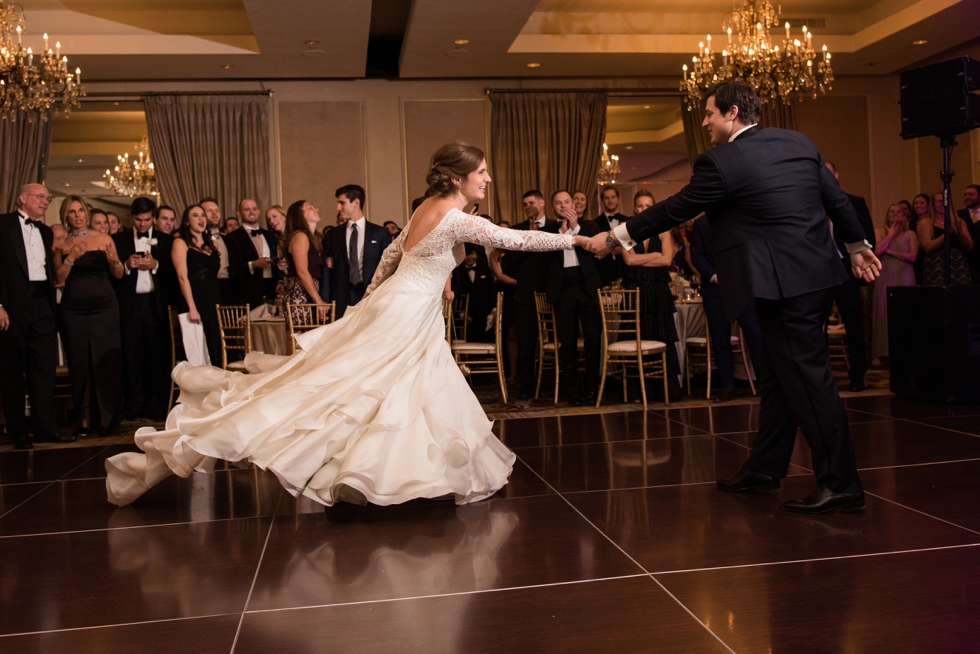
point(868, 227)
point(611, 267)
point(250, 287)
point(767, 196)
point(166, 288)
point(528, 268)
point(482, 291)
point(555, 271)
point(14, 280)
point(335, 283)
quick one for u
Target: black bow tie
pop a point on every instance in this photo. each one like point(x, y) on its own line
point(471, 267)
point(253, 232)
point(142, 234)
point(32, 223)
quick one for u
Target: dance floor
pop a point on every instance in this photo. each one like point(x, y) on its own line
point(611, 537)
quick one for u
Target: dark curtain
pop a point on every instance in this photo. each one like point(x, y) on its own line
point(210, 145)
point(545, 141)
point(23, 147)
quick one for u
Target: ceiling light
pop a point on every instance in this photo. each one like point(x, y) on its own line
point(629, 147)
point(115, 104)
point(920, 42)
point(534, 65)
point(226, 66)
point(81, 161)
point(461, 41)
point(311, 42)
point(646, 106)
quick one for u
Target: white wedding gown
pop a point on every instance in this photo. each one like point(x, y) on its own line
point(370, 408)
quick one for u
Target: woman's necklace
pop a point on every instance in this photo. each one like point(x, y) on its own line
point(79, 234)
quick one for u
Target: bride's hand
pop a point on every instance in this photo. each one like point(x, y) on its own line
point(448, 295)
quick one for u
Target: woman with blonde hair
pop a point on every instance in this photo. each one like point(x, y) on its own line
point(897, 248)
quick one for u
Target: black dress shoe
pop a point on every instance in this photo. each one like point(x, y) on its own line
point(748, 480)
point(824, 500)
point(725, 395)
point(22, 442)
point(55, 438)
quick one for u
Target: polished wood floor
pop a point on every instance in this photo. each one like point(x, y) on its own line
point(610, 538)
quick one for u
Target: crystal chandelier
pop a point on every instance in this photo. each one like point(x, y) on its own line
point(33, 87)
point(136, 177)
point(778, 73)
point(608, 166)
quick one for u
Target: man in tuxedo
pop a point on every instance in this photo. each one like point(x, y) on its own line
point(848, 295)
point(225, 286)
point(251, 256)
point(703, 257)
point(28, 338)
point(148, 286)
point(573, 282)
point(611, 268)
point(766, 194)
point(352, 251)
point(971, 216)
point(474, 278)
point(528, 268)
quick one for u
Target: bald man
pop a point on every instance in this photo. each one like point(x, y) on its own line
point(28, 341)
point(252, 252)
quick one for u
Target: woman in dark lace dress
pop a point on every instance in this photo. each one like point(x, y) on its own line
point(303, 257)
point(197, 263)
point(84, 260)
point(649, 270)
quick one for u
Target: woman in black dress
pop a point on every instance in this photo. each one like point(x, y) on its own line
point(932, 239)
point(89, 313)
point(197, 263)
point(649, 270)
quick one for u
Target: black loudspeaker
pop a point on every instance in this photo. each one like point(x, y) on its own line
point(934, 342)
point(941, 99)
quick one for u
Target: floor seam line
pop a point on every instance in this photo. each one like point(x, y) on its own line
point(114, 625)
point(92, 531)
point(928, 515)
point(255, 577)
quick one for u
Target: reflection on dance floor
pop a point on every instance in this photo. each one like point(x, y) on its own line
point(610, 536)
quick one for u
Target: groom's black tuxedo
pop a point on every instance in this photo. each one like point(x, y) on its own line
point(767, 195)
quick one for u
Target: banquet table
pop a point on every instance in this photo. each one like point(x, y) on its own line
point(269, 334)
point(689, 321)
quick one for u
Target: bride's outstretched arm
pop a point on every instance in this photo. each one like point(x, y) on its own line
point(389, 262)
point(473, 229)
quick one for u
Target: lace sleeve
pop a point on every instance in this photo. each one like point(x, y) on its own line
point(389, 262)
point(473, 229)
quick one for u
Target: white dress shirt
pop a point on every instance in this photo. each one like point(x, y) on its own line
point(612, 220)
point(974, 214)
point(219, 244)
point(144, 278)
point(361, 224)
point(571, 256)
point(34, 245)
point(261, 247)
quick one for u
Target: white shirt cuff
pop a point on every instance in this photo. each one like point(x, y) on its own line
point(857, 247)
point(623, 236)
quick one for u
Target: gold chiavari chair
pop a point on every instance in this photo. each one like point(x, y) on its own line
point(623, 346)
point(307, 317)
point(235, 324)
point(547, 341)
point(447, 316)
point(176, 351)
point(461, 311)
point(699, 356)
point(484, 358)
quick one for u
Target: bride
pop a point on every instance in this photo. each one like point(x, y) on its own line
point(371, 408)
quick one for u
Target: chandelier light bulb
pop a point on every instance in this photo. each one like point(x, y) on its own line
point(787, 30)
point(796, 42)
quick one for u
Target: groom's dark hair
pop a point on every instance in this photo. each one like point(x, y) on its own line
point(351, 192)
point(736, 94)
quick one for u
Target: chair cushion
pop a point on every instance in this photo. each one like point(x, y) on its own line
point(474, 348)
point(550, 347)
point(701, 340)
point(630, 346)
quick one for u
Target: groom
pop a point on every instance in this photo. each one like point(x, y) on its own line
point(766, 194)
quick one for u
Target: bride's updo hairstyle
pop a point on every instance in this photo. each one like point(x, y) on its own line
point(450, 166)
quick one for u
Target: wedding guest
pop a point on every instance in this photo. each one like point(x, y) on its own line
point(611, 268)
point(971, 216)
point(896, 249)
point(303, 254)
point(231, 224)
point(682, 264)
point(648, 269)
point(921, 213)
point(226, 284)
point(275, 218)
point(197, 263)
point(504, 224)
point(28, 340)
point(474, 278)
point(165, 219)
point(907, 208)
point(89, 313)
point(148, 286)
point(932, 237)
point(392, 228)
point(581, 201)
point(528, 268)
point(251, 253)
point(506, 285)
point(114, 223)
point(99, 222)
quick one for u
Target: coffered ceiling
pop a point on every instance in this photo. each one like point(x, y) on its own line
point(267, 39)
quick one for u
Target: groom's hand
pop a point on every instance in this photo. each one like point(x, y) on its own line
point(597, 245)
point(865, 265)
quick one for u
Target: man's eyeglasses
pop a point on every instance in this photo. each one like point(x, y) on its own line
point(40, 196)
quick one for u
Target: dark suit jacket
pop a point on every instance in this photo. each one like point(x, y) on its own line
point(611, 267)
point(528, 268)
point(974, 256)
point(482, 291)
point(555, 271)
point(767, 196)
point(249, 286)
point(164, 281)
point(335, 282)
point(703, 257)
point(861, 208)
point(14, 280)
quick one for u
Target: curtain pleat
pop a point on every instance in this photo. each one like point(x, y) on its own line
point(210, 145)
point(778, 115)
point(544, 141)
point(22, 145)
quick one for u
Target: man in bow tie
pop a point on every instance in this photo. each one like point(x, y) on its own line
point(611, 268)
point(252, 252)
point(473, 278)
point(28, 342)
point(148, 286)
